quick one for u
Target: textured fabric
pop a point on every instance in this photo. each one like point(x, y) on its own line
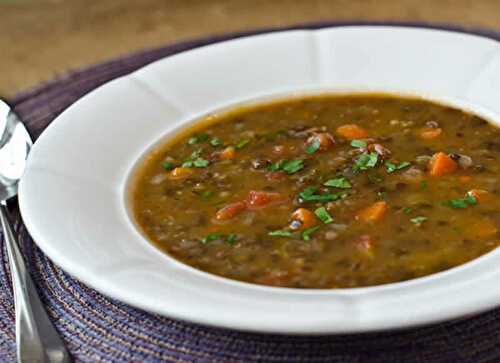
point(98, 329)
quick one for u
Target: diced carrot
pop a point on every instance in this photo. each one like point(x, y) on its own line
point(228, 153)
point(260, 199)
point(180, 173)
point(484, 228)
point(325, 140)
point(373, 212)
point(305, 217)
point(230, 210)
point(481, 195)
point(429, 134)
point(441, 164)
point(365, 244)
point(352, 131)
point(464, 179)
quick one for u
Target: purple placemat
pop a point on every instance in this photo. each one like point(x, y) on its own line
point(98, 329)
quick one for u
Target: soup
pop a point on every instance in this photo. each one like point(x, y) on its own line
point(324, 191)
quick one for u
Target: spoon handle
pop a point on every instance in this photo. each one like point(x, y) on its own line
point(37, 339)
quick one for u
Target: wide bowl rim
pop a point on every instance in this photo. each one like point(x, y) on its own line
point(36, 229)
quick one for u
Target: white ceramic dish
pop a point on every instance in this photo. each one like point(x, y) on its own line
point(73, 201)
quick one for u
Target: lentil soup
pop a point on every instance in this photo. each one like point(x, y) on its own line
point(330, 191)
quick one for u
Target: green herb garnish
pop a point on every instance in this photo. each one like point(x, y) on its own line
point(280, 233)
point(418, 220)
point(309, 195)
point(366, 161)
point(241, 144)
point(215, 141)
point(211, 237)
point(167, 165)
point(461, 203)
point(231, 239)
point(201, 163)
point(313, 146)
point(206, 194)
point(196, 139)
point(424, 184)
point(288, 166)
point(342, 183)
point(306, 235)
point(323, 215)
point(391, 167)
point(358, 143)
point(407, 210)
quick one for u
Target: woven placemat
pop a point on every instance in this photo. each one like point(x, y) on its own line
point(98, 329)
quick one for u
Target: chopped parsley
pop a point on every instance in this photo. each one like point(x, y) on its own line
point(306, 234)
point(407, 210)
point(211, 237)
point(323, 215)
point(358, 143)
point(309, 195)
point(424, 184)
point(280, 233)
point(341, 183)
point(215, 142)
point(461, 203)
point(196, 139)
point(288, 166)
point(200, 163)
point(167, 166)
point(365, 161)
point(418, 220)
point(231, 239)
point(313, 146)
point(241, 144)
point(391, 167)
point(195, 160)
point(206, 194)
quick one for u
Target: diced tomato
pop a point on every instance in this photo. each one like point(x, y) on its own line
point(260, 199)
point(230, 211)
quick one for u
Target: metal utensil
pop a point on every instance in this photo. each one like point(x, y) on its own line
point(37, 339)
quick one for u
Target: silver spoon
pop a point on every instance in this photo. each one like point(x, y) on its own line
point(37, 339)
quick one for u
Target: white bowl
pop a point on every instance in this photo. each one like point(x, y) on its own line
point(72, 195)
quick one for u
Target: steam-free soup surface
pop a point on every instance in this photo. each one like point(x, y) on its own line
point(325, 192)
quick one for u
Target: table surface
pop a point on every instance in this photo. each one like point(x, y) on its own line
point(46, 38)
